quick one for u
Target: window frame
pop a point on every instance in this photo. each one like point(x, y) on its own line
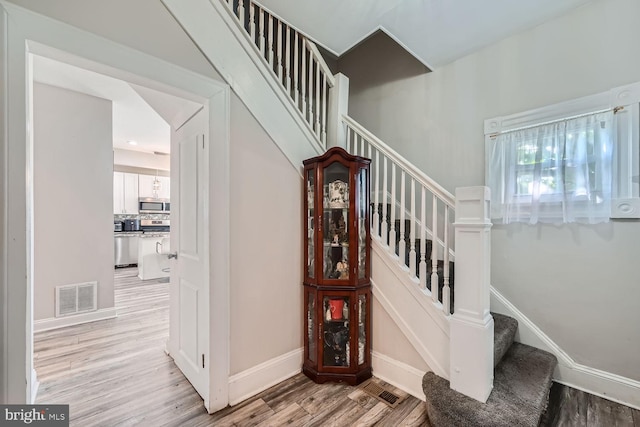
point(623, 100)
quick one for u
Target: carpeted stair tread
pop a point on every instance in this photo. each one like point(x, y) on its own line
point(504, 331)
point(519, 396)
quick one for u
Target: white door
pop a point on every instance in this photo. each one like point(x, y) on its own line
point(189, 310)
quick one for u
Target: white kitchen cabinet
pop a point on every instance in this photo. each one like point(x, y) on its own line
point(125, 193)
point(153, 262)
point(145, 186)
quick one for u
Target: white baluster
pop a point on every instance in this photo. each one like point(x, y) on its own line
point(325, 101)
point(412, 231)
point(385, 220)
point(434, 252)
point(279, 52)
point(423, 239)
point(252, 22)
point(317, 124)
point(241, 12)
point(310, 90)
point(295, 68)
point(303, 86)
point(270, 45)
point(392, 223)
point(261, 36)
point(445, 266)
point(349, 148)
point(376, 207)
point(287, 69)
point(362, 147)
point(402, 249)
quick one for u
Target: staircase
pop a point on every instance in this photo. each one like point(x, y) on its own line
point(407, 262)
point(281, 77)
point(522, 381)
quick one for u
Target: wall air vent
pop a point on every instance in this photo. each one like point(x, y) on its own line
point(77, 298)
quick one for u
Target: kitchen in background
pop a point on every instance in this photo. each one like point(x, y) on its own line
point(142, 206)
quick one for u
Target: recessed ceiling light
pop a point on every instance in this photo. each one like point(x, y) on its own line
point(132, 142)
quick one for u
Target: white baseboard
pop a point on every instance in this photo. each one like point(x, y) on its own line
point(600, 383)
point(61, 322)
point(252, 381)
point(399, 374)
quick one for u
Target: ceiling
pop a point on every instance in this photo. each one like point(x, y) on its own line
point(436, 32)
point(140, 114)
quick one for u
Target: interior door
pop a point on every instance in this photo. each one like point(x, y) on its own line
point(189, 294)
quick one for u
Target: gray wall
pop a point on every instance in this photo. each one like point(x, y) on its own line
point(73, 195)
point(579, 284)
point(145, 25)
point(266, 246)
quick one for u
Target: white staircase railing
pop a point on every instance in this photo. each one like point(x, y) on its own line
point(294, 60)
point(411, 214)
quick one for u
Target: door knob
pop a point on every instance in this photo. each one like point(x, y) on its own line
point(173, 255)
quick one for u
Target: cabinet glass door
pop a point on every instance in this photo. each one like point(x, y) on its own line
point(336, 345)
point(311, 327)
point(311, 236)
point(336, 222)
point(362, 329)
point(362, 222)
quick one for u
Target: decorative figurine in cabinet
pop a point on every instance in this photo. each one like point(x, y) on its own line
point(337, 287)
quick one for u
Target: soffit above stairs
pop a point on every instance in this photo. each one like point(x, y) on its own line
point(436, 32)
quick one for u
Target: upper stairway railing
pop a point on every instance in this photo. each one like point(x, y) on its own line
point(294, 60)
point(418, 232)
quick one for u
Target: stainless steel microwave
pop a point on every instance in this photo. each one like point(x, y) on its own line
point(150, 205)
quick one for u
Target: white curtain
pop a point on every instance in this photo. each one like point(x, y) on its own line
point(558, 172)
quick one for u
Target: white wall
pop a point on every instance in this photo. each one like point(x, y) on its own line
point(389, 340)
point(266, 246)
point(577, 283)
point(73, 195)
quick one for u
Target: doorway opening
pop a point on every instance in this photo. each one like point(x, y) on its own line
point(81, 123)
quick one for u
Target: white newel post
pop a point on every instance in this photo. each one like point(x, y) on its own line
point(471, 327)
point(338, 107)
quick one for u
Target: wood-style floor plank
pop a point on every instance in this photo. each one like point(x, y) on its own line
point(115, 373)
point(576, 408)
point(601, 412)
point(573, 408)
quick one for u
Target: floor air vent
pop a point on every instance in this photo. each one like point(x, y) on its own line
point(78, 298)
point(382, 393)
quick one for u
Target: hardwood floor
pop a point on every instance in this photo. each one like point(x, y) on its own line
point(569, 407)
point(115, 373)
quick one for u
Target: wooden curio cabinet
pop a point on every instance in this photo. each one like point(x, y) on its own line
point(337, 288)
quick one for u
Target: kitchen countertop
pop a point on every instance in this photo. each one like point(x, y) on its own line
point(142, 233)
point(150, 234)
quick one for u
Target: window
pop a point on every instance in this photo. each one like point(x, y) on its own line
point(572, 162)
